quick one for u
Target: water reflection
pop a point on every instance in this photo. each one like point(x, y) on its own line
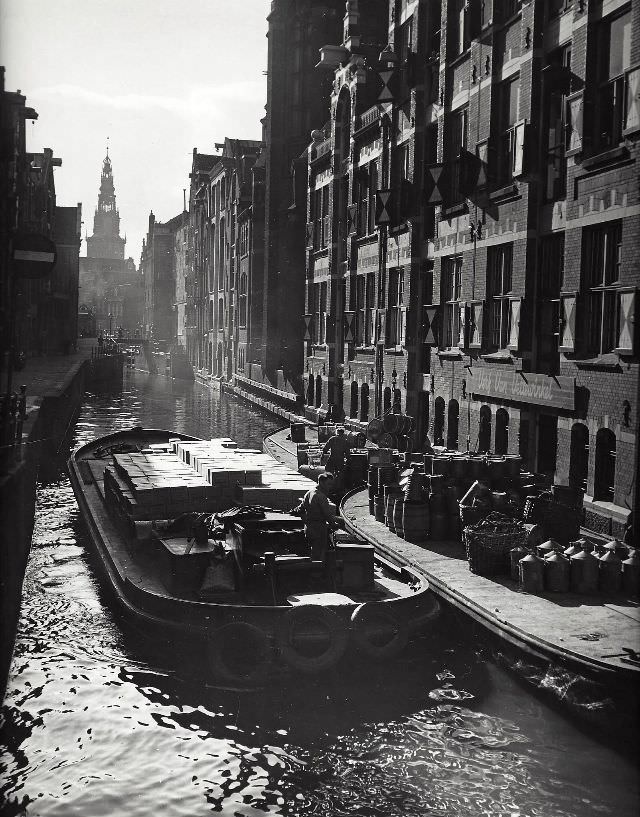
point(102, 719)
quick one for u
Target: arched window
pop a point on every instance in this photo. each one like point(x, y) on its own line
point(605, 467)
point(502, 431)
point(438, 422)
point(310, 390)
point(364, 403)
point(318, 391)
point(353, 408)
point(452, 424)
point(579, 457)
point(386, 400)
point(484, 431)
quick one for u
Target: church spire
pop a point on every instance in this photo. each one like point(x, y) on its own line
point(106, 241)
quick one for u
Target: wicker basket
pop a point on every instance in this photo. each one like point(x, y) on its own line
point(471, 514)
point(488, 550)
point(559, 521)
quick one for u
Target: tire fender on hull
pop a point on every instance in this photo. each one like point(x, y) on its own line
point(368, 621)
point(313, 623)
point(238, 652)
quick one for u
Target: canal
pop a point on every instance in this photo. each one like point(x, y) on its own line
point(99, 719)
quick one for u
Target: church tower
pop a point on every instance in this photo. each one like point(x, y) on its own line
point(106, 241)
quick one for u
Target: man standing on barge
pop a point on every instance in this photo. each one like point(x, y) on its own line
point(318, 515)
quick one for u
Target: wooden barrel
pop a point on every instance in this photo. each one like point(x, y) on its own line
point(455, 526)
point(398, 511)
point(356, 439)
point(389, 503)
point(297, 432)
point(497, 468)
point(357, 468)
point(372, 477)
point(394, 423)
point(440, 466)
point(453, 494)
point(415, 521)
point(374, 429)
point(459, 466)
point(387, 440)
point(513, 463)
point(379, 508)
point(439, 526)
point(436, 483)
point(372, 506)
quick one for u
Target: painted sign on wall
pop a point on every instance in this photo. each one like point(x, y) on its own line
point(524, 387)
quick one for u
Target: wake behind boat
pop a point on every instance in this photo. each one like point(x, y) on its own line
point(195, 539)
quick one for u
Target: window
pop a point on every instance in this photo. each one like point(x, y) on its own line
point(438, 422)
point(320, 217)
point(550, 276)
point(556, 7)
point(556, 180)
point(579, 457)
point(453, 415)
point(364, 306)
point(320, 313)
point(395, 315)
point(366, 184)
point(508, 99)
point(459, 25)
point(499, 269)
point(450, 284)
point(244, 238)
point(456, 143)
point(484, 430)
point(502, 431)
point(601, 248)
point(404, 40)
point(614, 52)
point(242, 301)
point(605, 466)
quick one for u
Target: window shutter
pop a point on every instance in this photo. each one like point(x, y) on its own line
point(349, 327)
point(308, 327)
point(381, 326)
point(520, 130)
point(567, 330)
point(464, 318)
point(325, 230)
point(384, 207)
point(476, 309)
point(430, 325)
point(575, 107)
point(388, 81)
point(435, 185)
point(402, 329)
point(632, 107)
point(626, 321)
point(310, 231)
point(515, 307)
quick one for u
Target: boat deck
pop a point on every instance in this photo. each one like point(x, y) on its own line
point(598, 634)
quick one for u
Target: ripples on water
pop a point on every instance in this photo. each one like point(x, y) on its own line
point(99, 719)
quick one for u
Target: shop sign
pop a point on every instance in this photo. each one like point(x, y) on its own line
point(524, 387)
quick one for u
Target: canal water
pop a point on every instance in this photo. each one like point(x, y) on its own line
point(100, 719)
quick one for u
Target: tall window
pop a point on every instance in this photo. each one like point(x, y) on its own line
point(579, 457)
point(457, 142)
point(320, 312)
point(459, 26)
point(550, 276)
point(601, 248)
point(614, 54)
point(508, 98)
point(395, 314)
point(404, 40)
point(242, 301)
point(320, 217)
point(556, 180)
point(450, 283)
point(499, 273)
point(366, 186)
point(605, 466)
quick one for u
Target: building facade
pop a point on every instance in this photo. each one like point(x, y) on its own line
point(472, 230)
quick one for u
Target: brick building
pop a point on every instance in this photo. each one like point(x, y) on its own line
point(472, 234)
point(296, 95)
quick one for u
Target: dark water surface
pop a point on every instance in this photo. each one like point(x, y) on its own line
point(100, 719)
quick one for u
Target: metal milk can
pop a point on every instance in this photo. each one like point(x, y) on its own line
point(531, 574)
point(584, 572)
point(557, 571)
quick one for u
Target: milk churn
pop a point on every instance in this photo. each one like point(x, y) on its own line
point(609, 573)
point(584, 572)
point(517, 553)
point(548, 547)
point(557, 573)
point(631, 574)
point(617, 547)
point(531, 573)
point(575, 547)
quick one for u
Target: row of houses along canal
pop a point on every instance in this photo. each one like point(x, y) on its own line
point(99, 719)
